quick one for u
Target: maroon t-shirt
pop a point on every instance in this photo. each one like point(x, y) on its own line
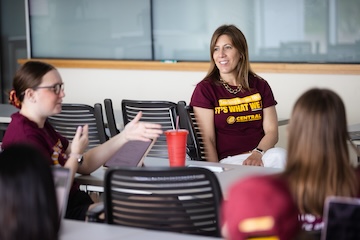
point(238, 118)
point(47, 140)
point(53, 145)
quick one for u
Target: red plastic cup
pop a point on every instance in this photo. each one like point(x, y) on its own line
point(176, 141)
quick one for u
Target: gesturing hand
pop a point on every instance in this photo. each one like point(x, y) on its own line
point(136, 130)
point(81, 140)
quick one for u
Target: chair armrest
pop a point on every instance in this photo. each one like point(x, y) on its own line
point(93, 214)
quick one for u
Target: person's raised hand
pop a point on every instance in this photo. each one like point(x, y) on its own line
point(80, 140)
point(136, 130)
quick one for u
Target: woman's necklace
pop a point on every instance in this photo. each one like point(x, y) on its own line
point(229, 89)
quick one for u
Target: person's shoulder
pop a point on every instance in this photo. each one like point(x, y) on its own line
point(21, 129)
point(205, 86)
point(22, 122)
point(257, 79)
point(206, 83)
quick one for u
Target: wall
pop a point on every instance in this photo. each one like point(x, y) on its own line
point(94, 85)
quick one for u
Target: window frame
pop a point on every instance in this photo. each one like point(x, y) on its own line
point(297, 68)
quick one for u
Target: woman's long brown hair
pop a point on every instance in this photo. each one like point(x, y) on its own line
point(318, 163)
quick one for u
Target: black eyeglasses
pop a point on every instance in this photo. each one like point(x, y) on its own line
point(56, 88)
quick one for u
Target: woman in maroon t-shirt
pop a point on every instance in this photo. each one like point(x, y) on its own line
point(234, 107)
point(38, 91)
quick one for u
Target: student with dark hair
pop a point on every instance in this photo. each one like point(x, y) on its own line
point(28, 203)
point(38, 91)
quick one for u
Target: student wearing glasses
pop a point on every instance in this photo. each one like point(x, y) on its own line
point(38, 92)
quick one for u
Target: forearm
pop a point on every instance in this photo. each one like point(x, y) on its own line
point(72, 164)
point(269, 140)
point(134, 130)
point(97, 156)
point(270, 126)
point(210, 151)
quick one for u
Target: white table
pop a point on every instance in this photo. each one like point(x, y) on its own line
point(75, 230)
point(231, 174)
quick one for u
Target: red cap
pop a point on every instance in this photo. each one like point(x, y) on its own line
point(260, 207)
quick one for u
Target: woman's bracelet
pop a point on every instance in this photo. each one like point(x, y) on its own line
point(259, 151)
point(79, 157)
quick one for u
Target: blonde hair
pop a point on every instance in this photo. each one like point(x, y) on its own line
point(318, 163)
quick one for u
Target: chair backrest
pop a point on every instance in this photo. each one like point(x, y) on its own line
point(74, 115)
point(110, 117)
point(195, 145)
point(181, 199)
point(161, 112)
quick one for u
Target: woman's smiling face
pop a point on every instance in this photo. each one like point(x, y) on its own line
point(225, 55)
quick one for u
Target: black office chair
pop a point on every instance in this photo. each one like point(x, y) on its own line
point(184, 199)
point(195, 147)
point(161, 112)
point(110, 117)
point(74, 115)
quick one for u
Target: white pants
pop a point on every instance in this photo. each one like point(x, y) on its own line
point(274, 157)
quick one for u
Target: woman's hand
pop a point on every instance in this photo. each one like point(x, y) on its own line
point(81, 140)
point(254, 160)
point(143, 131)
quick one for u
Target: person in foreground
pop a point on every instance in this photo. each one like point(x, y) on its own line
point(234, 107)
point(260, 208)
point(318, 162)
point(28, 203)
point(318, 166)
point(38, 91)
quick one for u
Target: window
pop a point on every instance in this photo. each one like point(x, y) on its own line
point(310, 31)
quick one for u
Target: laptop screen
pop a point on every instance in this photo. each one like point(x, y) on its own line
point(341, 218)
point(62, 181)
point(131, 154)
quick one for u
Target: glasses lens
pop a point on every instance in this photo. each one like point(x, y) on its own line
point(58, 88)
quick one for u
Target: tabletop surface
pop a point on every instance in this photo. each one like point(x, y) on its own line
point(75, 230)
point(230, 174)
point(226, 174)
